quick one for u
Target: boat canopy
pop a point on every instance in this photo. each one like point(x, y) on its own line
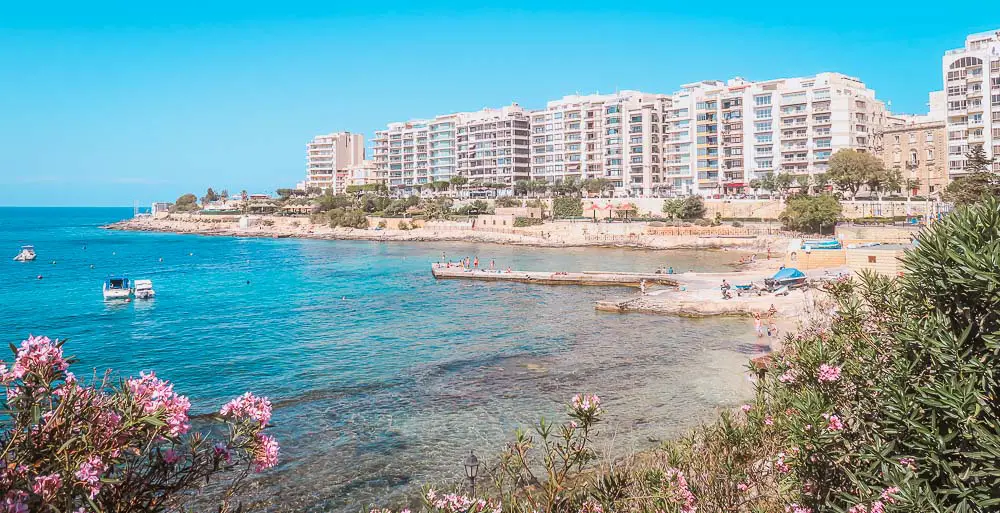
point(27, 246)
point(788, 272)
point(118, 282)
point(143, 284)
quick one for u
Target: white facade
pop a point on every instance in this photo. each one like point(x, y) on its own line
point(611, 136)
point(487, 146)
point(745, 130)
point(329, 156)
point(972, 85)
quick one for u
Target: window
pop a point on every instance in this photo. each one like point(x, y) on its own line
point(871, 259)
point(557, 115)
point(930, 153)
point(762, 126)
point(913, 157)
point(895, 138)
point(763, 138)
point(762, 113)
point(613, 109)
point(913, 137)
point(929, 136)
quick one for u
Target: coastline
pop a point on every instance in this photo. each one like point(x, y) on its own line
point(546, 235)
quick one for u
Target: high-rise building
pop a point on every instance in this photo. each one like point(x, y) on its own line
point(489, 146)
point(972, 85)
point(610, 136)
point(328, 158)
point(745, 130)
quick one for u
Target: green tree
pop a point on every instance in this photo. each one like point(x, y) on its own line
point(209, 197)
point(539, 187)
point(567, 206)
point(458, 181)
point(811, 214)
point(691, 207)
point(978, 182)
point(224, 194)
point(769, 184)
point(850, 170)
point(186, 203)
point(520, 188)
point(507, 201)
point(755, 185)
point(783, 182)
point(803, 182)
point(821, 180)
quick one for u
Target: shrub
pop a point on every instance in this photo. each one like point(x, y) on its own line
point(737, 224)
point(567, 206)
point(702, 222)
point(691, 207)
point(116, 445)
point(403, 225)
point(810, 213)
point(382, 224)
point(521, 222)
point(507, 202)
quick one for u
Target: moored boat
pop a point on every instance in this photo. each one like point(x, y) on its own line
point(27, 254)
point(144, 289)
point(117, 287)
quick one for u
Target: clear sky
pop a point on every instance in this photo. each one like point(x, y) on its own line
point(106, 104)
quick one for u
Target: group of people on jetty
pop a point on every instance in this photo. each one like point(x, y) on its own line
point(470, 264)
point(771, 326)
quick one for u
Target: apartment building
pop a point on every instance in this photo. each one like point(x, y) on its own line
point(972, 83)
point(492, 146)
point(612, 136)
point(745, 130)
point(328, 158)
point(917, 149)
point(487, 146)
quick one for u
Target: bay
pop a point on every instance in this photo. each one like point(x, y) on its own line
point(382, 377)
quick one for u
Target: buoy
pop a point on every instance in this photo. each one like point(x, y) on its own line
point(114, 253)
point(53, 262)
point(190, 254)
point(248, 282)
point(91, 266)
point(39, 276)
point(161, 259)
point(128, 300)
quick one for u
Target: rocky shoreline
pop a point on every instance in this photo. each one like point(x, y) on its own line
point(545, 236)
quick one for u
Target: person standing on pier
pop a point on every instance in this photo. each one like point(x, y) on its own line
point(475, 263)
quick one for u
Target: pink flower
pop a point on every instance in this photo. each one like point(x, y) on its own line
point(679, 491)
point(858, 508)
point(878, 507)
point(47, 485)
point(787, 377)
point(828, 374)
point(909, 463)
point(835, 423)
point(37, 354)
point(780, 465)
point(742, 487)
point(171, 456)
point(768, 421)
point(591, 506)
point(587, 403)
point(89, 474)
point(222, 451)
point(746, 408)
point(795, 508)
point(266, 455)
point(248, 406)
point(157, 396)
point(889, 493)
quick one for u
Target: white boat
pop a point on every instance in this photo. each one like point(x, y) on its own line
point(117, 287)
point(27, 254)
point(144, 289)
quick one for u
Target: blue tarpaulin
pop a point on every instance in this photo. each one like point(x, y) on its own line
point(788, 272)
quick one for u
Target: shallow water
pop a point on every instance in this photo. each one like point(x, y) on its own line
point(382, 377)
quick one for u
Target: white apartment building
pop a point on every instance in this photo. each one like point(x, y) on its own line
point(487, 146)
point(328, 158)
point(972, 85)
point(745, 130)
point(611, 136)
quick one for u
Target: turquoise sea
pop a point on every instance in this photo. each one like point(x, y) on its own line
point(382, 377)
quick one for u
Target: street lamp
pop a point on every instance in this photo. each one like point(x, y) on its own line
point(471, 470)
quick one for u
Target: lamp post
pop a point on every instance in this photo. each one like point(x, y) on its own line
point(471, 470)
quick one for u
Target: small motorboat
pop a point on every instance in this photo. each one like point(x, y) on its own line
point(789, 276)
point(117, 287)
point(27, 254)
point(144, 289)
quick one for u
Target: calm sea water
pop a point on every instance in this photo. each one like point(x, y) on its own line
point(382, 377)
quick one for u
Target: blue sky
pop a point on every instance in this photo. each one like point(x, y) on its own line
point(106, 104)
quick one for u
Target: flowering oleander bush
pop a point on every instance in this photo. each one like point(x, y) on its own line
point(125, 446)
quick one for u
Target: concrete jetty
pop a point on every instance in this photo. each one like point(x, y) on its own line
point(603, 279)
